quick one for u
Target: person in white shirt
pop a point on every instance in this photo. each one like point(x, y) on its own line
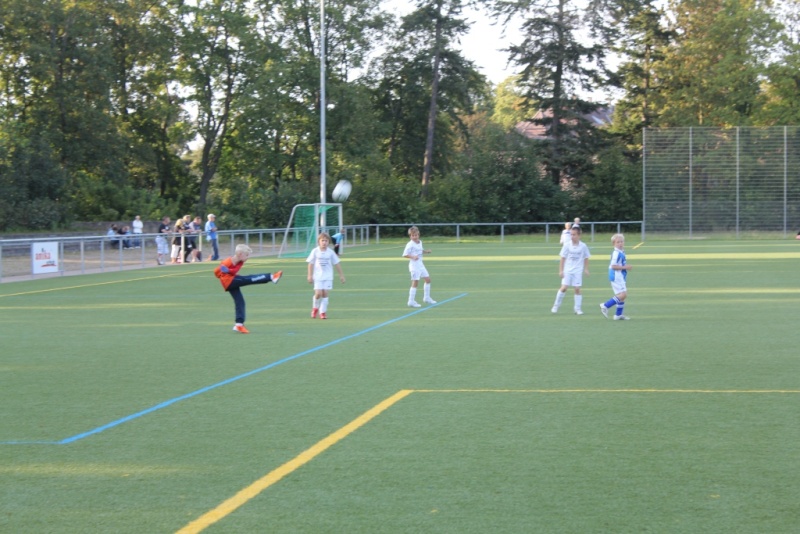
point(414, 252)
point(321, 262)
point(565, 235)
point(573, 264)
point(137, 227)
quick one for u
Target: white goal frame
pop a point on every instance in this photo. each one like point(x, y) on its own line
point(301, 240)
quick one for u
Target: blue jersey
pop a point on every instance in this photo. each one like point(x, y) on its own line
point(617, 258)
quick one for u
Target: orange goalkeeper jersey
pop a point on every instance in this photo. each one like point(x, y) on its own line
point(226, 278)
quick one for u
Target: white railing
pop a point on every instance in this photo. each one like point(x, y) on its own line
point(97, 254)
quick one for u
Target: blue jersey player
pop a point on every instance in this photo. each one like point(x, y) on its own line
point(617, 274)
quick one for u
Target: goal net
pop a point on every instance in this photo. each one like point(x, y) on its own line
point(306, 222)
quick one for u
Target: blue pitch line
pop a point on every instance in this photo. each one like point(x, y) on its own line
point(225, 382)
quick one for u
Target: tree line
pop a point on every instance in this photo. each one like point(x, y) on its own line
point(112, 108)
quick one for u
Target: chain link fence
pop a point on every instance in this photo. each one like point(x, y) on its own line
point(713, 181)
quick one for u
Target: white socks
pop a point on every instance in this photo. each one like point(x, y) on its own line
point(412, 294)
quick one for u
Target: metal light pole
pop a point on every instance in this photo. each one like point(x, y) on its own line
point(322, 103)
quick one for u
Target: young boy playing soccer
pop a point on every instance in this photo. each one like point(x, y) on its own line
point(574, 262)
point(617, 274)
point(228, 274)
point(321, 262)
point(414, 252)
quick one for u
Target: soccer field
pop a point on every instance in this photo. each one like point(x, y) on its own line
point(129, 405)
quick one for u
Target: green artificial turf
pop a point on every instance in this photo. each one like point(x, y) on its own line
point(129, 405)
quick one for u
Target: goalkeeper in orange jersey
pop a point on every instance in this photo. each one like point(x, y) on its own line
point(228, 274)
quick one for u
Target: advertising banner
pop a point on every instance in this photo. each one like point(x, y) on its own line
point(44, 257)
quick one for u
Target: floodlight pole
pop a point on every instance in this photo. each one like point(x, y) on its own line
point(322, 102)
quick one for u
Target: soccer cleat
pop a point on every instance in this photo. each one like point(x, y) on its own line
point(323, 315)
point(276, 277)
point(241, 329)
point(414, 304)
point(578, 312)
point(554, 309)
point(314, 312)
point(429, 301)
point(621, 318)
point(604, 310)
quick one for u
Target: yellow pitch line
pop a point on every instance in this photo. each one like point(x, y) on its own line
point(243, 496)
point(643, 390)
point(639, 245)
point(96, 284)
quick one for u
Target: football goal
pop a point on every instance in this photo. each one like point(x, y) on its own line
point(306, 222)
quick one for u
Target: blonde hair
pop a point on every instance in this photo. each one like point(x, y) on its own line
point(617, 237)
point(326, 235)
point(243, 248)
point(413, 230)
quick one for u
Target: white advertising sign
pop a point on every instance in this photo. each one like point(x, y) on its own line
point(44, 257)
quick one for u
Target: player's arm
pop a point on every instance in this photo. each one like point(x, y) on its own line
point(561, 267)
point(341, 274)
point(410, 256)
point(586, 266)
point(310, 276)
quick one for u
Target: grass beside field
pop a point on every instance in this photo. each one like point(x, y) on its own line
point(129, 405)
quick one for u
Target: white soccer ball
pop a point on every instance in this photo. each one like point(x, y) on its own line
point(342, 190)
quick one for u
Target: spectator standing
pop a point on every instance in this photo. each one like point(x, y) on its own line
point(177, 241)
point(211, 235)
point(137, 227)
point(195, 228)
point(162, 245)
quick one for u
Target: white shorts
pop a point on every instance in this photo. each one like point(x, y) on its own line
point(619, 287)
point(323, 285)
point(572, 279)
point(163, 246)
point(417, 274)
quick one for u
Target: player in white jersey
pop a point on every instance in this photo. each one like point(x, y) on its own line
point(573, 264)
point(414, 252)
point(617, 275)
point(566, 236)
point(321, 262)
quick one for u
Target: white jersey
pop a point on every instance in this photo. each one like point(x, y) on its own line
point(414, 249)
point(566, 237)
point(323, 263)
point(575, 256)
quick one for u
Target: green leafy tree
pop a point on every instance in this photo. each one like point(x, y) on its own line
point(556, 66)
point(782, 88)
point(218, 56)
point(711, 74)
point(423, 86)
point(642, 43)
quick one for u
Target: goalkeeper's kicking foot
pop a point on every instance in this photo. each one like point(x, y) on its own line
point(241, 329)
point(276, 277)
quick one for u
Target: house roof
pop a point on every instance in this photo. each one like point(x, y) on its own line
point(600, 117)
